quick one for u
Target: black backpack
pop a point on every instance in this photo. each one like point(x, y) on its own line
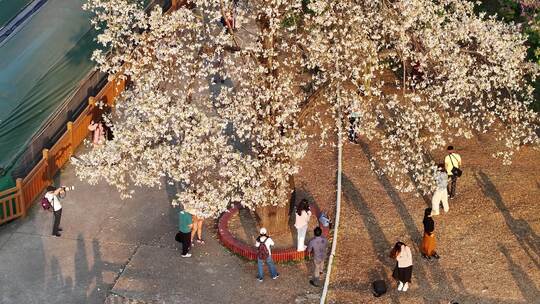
point(262, 252)
point(379, 288)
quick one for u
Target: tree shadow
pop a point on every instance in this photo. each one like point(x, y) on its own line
point(406, 217)
point(525, 235)
point(421, 270)
point(172, 188)
point(442, 289)
point(525, 284)
point(379, 241)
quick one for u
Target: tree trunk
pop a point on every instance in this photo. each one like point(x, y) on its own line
point(276, 219)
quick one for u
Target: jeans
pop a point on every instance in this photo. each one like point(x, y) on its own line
point(56, 222)
point(440, 195)
point(271, 267)
point(452, 185)
point(301, 236)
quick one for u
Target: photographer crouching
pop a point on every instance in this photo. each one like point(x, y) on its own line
point(52, 196)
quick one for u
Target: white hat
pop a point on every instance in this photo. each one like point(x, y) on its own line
point(263, 231)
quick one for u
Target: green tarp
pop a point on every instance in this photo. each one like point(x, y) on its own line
point(10, 8)
point(40, 65)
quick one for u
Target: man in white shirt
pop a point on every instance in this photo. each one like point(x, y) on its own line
point(52, 196)
point(265, 255)
point(450, 161)
point(441, 194)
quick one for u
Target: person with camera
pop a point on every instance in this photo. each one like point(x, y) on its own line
point(52, 196)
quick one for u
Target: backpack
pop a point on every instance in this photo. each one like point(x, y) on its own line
point(262, 252)
point(45, 204)
point(324, 220)
point(379, 288)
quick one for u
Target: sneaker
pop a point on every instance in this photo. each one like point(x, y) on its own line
point(277, 276)
point(57, 234)
point(313, 283)
point(406, 286)
point(187, 255)
point(259, 279)
point(400, 286)
point(437, 256)
point(426, 257)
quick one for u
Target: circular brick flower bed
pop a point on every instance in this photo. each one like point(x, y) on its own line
point(250, 251)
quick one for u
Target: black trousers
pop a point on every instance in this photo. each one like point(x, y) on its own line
point(185, 239)
point(452, 186)
point(56, 223)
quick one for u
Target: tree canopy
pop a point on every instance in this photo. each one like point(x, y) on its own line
point(219, 106)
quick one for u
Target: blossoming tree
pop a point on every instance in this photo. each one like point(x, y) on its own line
point(219, 91)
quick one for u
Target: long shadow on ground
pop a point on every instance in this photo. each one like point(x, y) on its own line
point(525, 235)
point(440, 288)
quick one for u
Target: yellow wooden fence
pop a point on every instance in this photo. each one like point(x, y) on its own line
point(14, 202)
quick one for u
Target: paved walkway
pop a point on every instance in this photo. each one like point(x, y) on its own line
point(123, 251)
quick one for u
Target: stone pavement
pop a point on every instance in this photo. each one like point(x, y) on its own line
point(123, 251)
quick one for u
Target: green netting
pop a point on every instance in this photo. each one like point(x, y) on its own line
point(39, 67)
point(41, 64)
point(10, 8)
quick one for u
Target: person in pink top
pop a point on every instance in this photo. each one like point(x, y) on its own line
point(403, 271)
point(301, 223)
point(99, 132)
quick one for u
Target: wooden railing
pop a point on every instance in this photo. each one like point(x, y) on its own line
point(14, 202)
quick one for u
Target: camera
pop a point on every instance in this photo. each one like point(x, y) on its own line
point(65, 189)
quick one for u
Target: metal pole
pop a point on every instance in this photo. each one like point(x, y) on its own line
point(338, 205)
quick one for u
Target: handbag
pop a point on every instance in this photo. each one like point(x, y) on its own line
point(379, 288)
point(455, 170)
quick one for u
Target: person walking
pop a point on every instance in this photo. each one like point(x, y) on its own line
point(52, 197)
point(197, 229)
point(441, 193)
point(185, 224)
point(428, 241)
point(264, 254)
point(318, 245)
point(403, 270)
point(452, 161)
point(301, 223)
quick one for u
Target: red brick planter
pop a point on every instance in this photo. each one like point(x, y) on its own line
point(250, 251)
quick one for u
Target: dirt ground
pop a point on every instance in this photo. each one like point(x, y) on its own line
point(489, 240)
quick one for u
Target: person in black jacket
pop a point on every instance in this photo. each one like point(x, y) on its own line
point(428, 241)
